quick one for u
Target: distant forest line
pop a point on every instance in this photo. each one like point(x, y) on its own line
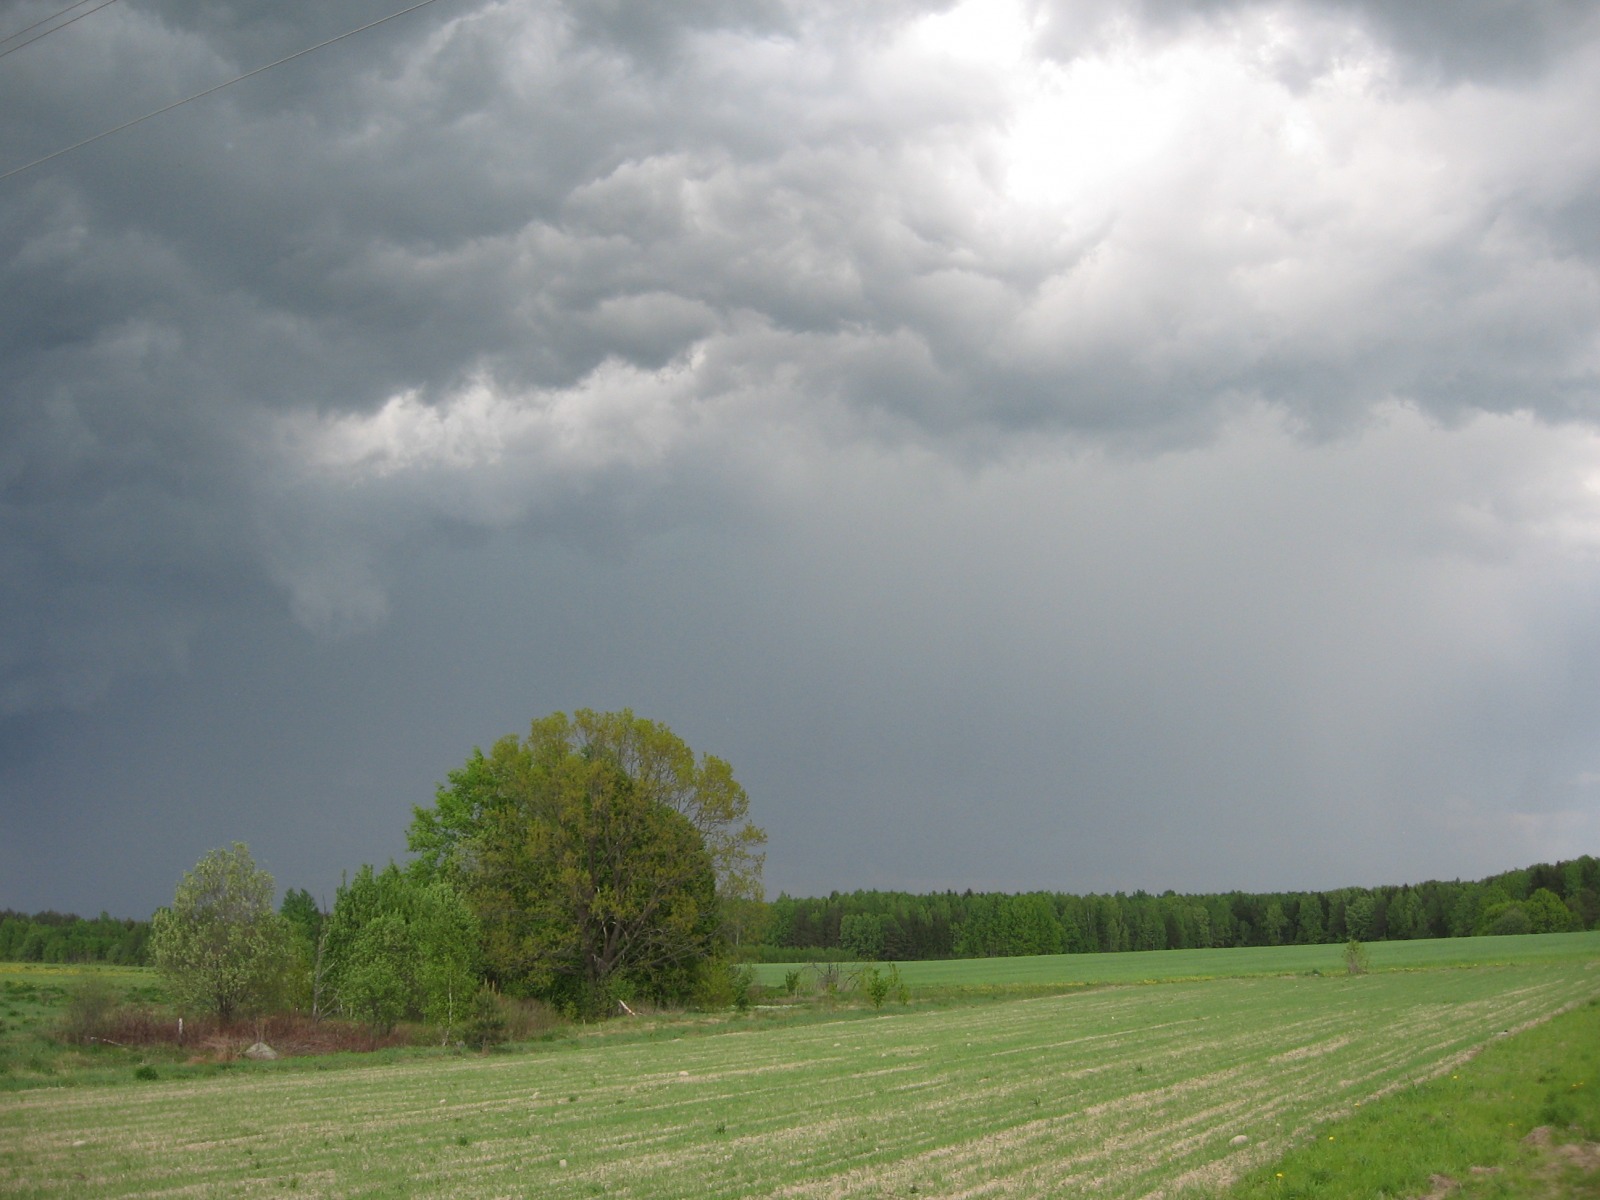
point(905, 926)
point(53, 937)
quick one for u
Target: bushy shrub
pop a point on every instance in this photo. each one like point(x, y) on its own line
point(486, 1026)
point(91, 1010)
point(1356, 959)
point(527, 1018)
point(876, 985)
point(720, 984)
point(879, 985)
point(897, 986)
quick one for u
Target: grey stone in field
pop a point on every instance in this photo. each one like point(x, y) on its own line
point(261, 1051)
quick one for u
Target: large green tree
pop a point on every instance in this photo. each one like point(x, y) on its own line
point(660, 764)
point(221, 945)
point(591, 851)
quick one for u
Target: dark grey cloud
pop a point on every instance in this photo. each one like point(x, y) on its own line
point(1483, 39)
point(971, 356)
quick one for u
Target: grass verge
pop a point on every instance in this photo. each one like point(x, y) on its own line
point(1520, 1119)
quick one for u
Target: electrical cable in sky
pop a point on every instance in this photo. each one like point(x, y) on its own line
point(39, 162)
point(11, 37)
point(54, 29)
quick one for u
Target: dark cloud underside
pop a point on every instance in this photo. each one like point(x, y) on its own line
point(1018, 436)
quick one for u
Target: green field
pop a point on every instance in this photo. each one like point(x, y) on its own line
point(1071, 970)
point(1110, 1091)
point(33, 1004)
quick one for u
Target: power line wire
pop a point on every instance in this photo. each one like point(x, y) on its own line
point(56, 29)
point(39, 162)
point(11, 37)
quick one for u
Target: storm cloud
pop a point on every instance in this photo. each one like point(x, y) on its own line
point(1088, 446)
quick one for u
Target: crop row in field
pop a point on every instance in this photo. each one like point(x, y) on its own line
point(1521, 1119)
point(1114, 1092)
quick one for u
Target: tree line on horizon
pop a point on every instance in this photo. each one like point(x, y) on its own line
point(53, 937)
point(904, 926)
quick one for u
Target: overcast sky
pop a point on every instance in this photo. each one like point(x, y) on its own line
point(1080, 445)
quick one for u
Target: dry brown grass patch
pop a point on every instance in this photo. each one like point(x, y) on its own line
point(208, 1039)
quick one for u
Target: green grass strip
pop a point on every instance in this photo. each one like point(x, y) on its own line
point(1466, 1134)
point(1059, 971)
